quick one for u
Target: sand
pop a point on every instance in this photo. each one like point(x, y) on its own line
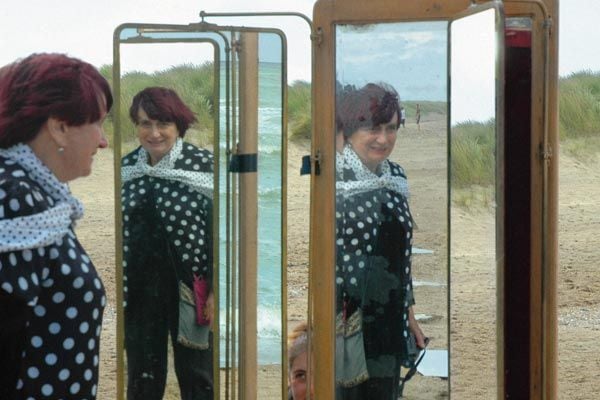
point(472, 299)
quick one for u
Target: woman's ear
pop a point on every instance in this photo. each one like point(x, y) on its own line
point(58, 131)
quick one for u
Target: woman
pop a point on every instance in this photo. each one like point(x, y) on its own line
point(167, 239)
point(298, 362)
point(52, 108)
point(374, 241)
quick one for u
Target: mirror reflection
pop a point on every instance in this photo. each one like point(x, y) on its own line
point(391, 210)
point(473, 212)
point(167, 200)
point(269, 81)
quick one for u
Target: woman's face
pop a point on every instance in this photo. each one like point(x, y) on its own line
point(374, 145)
point(298, 377)
point(82, 143)
point(156, 137)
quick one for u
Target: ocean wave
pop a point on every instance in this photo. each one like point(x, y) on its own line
point(269, 192)
point(268, 323)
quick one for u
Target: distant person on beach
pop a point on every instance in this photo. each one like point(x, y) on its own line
point(167, 201)
point(52, 108)
point(403, 117)
point(418, 116)
point(298, 362)
point(376, 330)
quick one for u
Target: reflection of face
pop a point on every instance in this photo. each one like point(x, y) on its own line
point(82, 142)
point(298, 377)
point(339, 141)
point(374, 145)
point(156, 137)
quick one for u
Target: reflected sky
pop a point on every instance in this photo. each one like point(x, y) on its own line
point(410, 55)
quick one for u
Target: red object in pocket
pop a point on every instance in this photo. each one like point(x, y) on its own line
point(200, 296)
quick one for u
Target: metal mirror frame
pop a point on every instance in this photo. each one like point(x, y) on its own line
point(117, 177)
point(203, 27)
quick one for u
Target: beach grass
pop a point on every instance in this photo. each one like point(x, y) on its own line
point(579, 118)
point(473, 152)
point(472, 142)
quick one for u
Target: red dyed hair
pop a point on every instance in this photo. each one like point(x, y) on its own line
point(162, 104)
point(44, 86)
point(367, 107)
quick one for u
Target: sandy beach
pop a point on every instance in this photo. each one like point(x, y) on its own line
point(472, 279)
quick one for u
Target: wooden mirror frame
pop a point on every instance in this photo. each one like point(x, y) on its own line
point(527, 358)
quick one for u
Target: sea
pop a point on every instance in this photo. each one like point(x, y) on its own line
point(269, 230)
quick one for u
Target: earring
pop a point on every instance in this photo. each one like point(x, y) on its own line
point(61, 149)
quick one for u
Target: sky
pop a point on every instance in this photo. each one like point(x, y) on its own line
point(84, 29)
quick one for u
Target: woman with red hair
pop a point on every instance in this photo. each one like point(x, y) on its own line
point(167, 249)
point(52, 108)
point(377, 332)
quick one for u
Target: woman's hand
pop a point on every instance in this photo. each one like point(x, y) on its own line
point(209, 309)
point(416, 329)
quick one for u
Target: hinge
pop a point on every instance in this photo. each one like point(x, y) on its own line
point(243, 163)
point(545, 152)
point(317, 37)
point(317, 162)
point(236, 45)
point(307, 162)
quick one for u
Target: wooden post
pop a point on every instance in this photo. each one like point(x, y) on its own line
point(248, 184)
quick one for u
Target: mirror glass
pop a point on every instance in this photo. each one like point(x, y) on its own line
point(473, 205)
point(168, 118)
point(270, 207)
point(271, 185)
point(391, 209)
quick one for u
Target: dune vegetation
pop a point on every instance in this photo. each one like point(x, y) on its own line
point(473, 143)
point(579, 117)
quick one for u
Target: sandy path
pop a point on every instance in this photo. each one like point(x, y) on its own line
point(472, 279)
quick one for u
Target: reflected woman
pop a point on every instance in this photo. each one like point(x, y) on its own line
point(167, 204)
point(374, 296)
point(298, 379)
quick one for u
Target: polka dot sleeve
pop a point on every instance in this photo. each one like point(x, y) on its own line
point(20, 271)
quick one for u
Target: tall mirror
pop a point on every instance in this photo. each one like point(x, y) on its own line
point(391, 209)
point(272, 159)
point(167, 155)
point(473, 177)
point(201, 237)
point(258, 185)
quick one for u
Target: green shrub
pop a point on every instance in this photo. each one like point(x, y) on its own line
point(299, 110)
point(473, 149)
point(580, 106)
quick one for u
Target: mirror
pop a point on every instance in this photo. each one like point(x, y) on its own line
point(391, 209)
point(272, 156)
point(257, 276)
point(473, 177)
point(169, 134)
point(200, 203)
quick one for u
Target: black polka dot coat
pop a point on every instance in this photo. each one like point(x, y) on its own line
point(58, 344)
point(167, 230)
point(373, 264)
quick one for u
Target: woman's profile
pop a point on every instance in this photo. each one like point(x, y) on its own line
point(52, 108)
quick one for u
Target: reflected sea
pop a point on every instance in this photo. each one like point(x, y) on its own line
point(269, 217)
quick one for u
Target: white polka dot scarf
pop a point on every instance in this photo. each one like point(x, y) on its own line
point(199, 181)
point(46, 227)
point(367, 180)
